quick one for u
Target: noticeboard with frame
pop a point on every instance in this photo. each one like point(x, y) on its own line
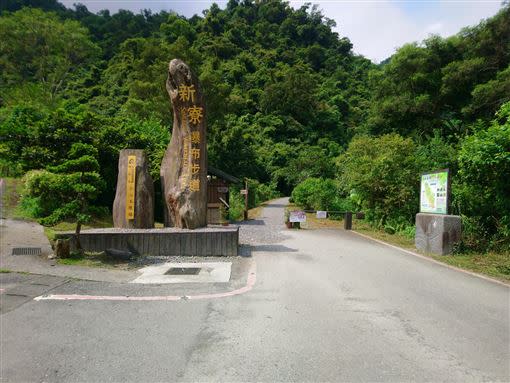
point(435, 191)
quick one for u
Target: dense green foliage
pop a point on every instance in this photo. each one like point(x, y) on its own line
point(382, 171)
point(288, 104)
point(483, 183)
point(319, 194)
point(66, 190)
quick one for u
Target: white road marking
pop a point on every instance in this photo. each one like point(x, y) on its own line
point(250, 282)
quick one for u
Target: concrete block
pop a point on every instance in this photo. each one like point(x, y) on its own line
point(210, 241)
point(437, 233)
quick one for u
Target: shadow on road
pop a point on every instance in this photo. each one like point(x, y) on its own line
point(278, 205)
point(252, 222)
point(246, 250)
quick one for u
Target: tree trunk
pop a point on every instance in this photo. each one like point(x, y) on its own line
point(77, 236)
point(184, 166)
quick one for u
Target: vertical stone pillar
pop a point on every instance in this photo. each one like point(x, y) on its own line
point(184, 166)
point(134, 199)
point(437, 233)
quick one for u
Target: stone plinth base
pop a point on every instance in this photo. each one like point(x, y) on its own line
point(437, 233)
point(210, 241)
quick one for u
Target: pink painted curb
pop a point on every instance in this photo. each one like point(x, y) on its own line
point(250, 282)
point(489, 279)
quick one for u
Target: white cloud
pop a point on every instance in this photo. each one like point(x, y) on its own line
point(375, 27)
point(434, 28)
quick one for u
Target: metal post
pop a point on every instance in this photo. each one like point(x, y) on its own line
point(348, 221)
point(246, 200)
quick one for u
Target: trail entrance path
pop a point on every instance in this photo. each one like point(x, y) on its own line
point(327, 305)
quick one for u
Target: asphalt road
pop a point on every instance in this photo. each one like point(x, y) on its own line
point(326, 306)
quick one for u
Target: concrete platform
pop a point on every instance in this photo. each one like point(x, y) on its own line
point(208, 272)
point(209, 241)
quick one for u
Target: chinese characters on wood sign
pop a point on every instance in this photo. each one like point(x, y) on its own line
point(130, 188)
point(191, 149)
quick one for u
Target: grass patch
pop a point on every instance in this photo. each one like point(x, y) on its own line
point(396, 239)
point(496, 265)
point(93, 260)
point(4, 271)
point(11, 208)
point(96, 222)
point(312, 222)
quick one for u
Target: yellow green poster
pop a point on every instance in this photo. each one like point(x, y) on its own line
point(434, 192)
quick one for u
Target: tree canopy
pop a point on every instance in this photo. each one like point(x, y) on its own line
point(287, 99)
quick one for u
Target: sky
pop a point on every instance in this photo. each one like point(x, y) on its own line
point(375, 27)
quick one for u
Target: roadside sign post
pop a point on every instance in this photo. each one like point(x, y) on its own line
point(437, 231)
point(297, 217)
point(245, 192)
point(435, 192)
point(348, 221)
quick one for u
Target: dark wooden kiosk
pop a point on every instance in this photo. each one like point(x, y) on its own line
point(218, 193)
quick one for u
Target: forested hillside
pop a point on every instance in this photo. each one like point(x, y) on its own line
point(288, 102)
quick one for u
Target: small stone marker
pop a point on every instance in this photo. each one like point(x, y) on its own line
point(133, 207)
point(62, 248)
point(437, 233)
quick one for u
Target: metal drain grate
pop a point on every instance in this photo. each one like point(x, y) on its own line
point(183, 271)
point(26, 251)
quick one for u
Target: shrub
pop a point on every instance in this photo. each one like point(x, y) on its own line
point(316, 194)
point(383, 174)
point(259, 193)
point(66, 190)
point(236, 202)
point(483, 182)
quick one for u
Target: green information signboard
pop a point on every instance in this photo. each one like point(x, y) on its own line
point(434, 193)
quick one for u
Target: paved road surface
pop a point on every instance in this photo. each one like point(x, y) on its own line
point(326, 306)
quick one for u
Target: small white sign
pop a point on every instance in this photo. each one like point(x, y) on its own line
point(297, 216)
point(244, 191)
point(322, 214)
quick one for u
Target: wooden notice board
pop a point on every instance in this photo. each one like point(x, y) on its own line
point(130, 188)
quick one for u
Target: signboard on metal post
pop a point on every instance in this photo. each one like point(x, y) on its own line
point(130, 188)
point(435, 192)
point(297, 216)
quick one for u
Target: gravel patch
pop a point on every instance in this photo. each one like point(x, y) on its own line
point(268, 228)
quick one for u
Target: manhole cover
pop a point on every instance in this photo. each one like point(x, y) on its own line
point(183, 271)
point(26, 251)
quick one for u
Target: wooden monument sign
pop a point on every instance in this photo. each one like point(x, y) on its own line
point(184, 166)
point(133, 207)
point(184, 183)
